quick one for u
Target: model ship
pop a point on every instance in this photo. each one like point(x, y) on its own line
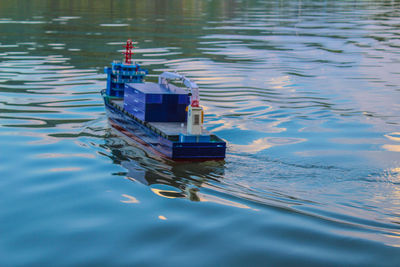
point(164, 118)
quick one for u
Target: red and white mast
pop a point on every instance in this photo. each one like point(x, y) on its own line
point(128, 51)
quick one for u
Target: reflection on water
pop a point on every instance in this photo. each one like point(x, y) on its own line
point(304, 92)
point(171, 179)
point(166, 178)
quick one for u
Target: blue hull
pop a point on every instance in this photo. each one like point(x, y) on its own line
point(154, 140)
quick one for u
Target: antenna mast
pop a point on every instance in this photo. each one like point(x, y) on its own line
point(128, 51)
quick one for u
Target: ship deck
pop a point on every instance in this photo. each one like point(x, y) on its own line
point(167, 128)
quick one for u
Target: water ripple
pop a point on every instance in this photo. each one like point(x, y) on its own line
point(305, 93)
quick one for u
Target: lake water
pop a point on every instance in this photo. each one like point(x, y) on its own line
point(306, 94)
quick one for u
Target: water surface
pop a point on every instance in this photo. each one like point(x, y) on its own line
point(306, 93)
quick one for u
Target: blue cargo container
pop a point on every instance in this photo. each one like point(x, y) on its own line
point(156, 102)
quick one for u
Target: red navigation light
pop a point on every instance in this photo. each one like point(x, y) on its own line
point(128, 51)
point(195, 103)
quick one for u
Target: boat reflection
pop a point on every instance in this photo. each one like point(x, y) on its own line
point(166, 178)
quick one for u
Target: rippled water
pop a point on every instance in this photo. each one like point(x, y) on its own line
point(306, 93)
